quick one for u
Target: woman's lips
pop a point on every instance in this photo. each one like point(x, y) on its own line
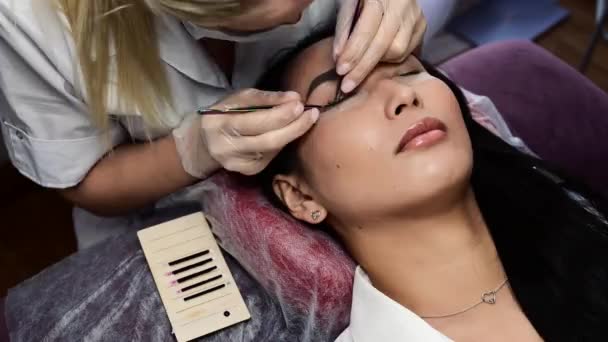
point(425, 132)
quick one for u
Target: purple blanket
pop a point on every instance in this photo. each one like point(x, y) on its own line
point(106, 293)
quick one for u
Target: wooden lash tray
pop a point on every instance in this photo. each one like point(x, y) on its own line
point(192, 278)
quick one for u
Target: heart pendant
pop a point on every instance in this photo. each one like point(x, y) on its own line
point(489, 297)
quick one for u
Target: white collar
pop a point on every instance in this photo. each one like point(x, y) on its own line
point(174, 36)
point(198, 32)
point(178, 49)
point(376, 317)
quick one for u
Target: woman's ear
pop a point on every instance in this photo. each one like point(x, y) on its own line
point(296, 196)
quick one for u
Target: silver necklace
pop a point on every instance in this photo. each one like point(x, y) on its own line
point(486, 297)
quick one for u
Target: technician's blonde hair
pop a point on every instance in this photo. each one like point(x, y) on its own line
point(141, 82)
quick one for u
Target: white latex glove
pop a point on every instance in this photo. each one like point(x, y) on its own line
point(244, 143)
point(387, 31)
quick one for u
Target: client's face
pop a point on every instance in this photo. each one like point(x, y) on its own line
point(396, 146)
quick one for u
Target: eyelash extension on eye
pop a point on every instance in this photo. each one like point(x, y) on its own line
point(411, 73)
point(345, 98)
point(335, 103)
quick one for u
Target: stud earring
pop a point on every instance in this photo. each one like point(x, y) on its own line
point(315, 215)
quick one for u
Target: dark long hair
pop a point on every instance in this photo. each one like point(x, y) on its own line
point(553, 246)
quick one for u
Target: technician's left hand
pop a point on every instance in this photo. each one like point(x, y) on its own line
point(387, 31)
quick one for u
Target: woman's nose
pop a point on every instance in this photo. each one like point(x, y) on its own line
point(399, 98)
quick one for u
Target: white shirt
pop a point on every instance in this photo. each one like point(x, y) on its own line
point(375, 317)
point(47, 128)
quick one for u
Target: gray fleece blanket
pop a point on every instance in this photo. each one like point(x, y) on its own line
point(106, 293)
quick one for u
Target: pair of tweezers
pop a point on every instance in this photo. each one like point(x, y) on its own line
point(208, 111)
point(339, 94)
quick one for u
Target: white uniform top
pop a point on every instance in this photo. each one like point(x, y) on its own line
point(375, 317)
point(44, 116)
point(45, 121)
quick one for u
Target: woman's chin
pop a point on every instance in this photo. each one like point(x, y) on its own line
point(435, 175)
point(435, 161)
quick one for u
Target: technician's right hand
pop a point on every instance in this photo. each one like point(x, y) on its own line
point(244, 143)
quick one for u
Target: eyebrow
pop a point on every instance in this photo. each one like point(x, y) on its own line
point(329, 75)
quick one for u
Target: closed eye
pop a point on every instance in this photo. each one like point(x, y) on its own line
point(348, 96)
point(335, 103)
point(412, 73)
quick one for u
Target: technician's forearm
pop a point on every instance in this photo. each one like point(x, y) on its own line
point(131, 177)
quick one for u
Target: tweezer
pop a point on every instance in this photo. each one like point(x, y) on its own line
point(339, 94)
point(208, 111)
